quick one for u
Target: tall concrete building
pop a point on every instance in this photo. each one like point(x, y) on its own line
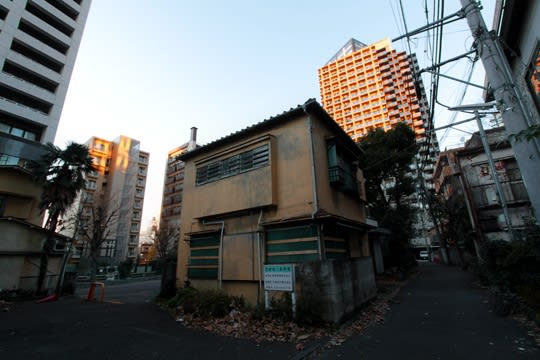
point(171, 204)
point(364, 87)
point(117, 186)
point(39, 41)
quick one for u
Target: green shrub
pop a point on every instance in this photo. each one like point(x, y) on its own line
point(281, 307)
point(214, 303)
point(187, 297)
point(514, 267)
point(205, 303)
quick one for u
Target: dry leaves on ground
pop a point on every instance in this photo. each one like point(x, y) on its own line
point(242, 325)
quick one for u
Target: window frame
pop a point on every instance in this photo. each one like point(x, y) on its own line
point(242, 162)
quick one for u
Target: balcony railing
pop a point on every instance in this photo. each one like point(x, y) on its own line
point(342, 179)
point(486, 195)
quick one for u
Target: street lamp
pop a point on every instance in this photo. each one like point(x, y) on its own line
point(475, 108)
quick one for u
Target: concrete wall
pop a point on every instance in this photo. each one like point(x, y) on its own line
point(22, 195)
point(342, 285)
point(20, 248)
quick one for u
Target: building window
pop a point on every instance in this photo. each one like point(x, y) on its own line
point(91, 184)
point(204, 256)
point(341, 169)
point(15, 131)
point(234, 165)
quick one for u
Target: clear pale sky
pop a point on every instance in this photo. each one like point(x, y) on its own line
point(151, 70)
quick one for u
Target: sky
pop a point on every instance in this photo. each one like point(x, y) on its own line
point(151, 70)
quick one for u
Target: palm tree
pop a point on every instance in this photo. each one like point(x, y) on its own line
point(61, 175)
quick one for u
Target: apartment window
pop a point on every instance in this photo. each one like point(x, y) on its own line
point(29, 76)
point(91, 184)
point(49, 18)
point(36, 56)
point(24, 99)
point(246, 161)
point(88, 197)
point(341, 169)
point(19, 132)
point(66, 10)
point(3, 12)
point(42, 36)
point(8, 160)
point(204, 256)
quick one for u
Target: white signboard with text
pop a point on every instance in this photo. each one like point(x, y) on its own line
point(279, 277)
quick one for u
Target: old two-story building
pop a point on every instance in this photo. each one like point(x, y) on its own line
point(21, 233)
point(286, 190)
point(484, 200)
point(463, 176)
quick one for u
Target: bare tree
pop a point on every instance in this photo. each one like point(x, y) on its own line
point(95, 227)
point(166, 240)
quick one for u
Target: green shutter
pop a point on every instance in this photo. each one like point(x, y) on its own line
point(203, 257)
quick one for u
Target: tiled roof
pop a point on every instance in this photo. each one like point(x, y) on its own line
point(311, 106)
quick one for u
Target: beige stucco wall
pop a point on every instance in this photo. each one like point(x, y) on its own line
point(19, 255)
point(23, 195)
point(330, 200)
point(283, 188)
point(281, 191)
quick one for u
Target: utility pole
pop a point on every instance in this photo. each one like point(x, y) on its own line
point(495, 177)
point(514, 113)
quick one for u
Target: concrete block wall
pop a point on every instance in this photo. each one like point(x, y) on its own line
point(341, 285)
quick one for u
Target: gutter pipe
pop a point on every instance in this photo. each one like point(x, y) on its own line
point(313, 177)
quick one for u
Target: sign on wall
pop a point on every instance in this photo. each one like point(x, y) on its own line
point(279, 277)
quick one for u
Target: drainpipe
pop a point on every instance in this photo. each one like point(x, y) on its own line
point(259, 252)
point(220, 268)
point(313, 178)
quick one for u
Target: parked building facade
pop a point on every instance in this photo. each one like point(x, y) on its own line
point(286, 190)
point(39, 41)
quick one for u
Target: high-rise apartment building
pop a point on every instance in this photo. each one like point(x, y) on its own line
point(364, 87)
point(171, 204)
point(39, 41)
point(117, 186)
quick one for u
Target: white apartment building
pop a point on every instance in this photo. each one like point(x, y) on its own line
point(39, 41)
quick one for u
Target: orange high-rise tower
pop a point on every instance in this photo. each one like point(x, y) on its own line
point(364, 87)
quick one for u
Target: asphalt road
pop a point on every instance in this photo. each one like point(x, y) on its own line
point(441, 314)
point(438, 315)
point(142, 291)
point(126, 326)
